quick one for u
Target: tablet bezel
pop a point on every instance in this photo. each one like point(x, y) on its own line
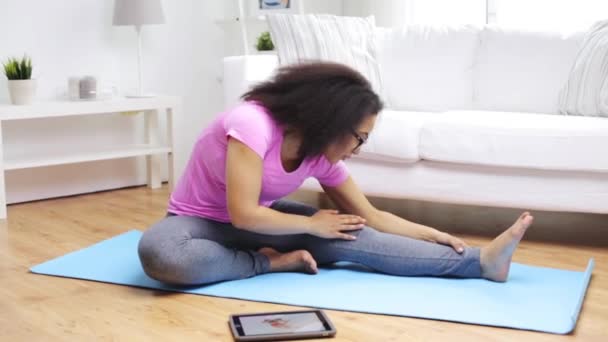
point(239, 334)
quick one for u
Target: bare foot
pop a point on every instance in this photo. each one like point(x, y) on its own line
point(296, 261)
point(495, 258)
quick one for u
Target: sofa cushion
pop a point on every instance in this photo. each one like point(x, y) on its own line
point(522, 71)
point(586, 92)
point(301, 38)
point(428, 68)
point(395, 137)
point(511, 139)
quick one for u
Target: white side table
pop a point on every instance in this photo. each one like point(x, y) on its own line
point(152, 149)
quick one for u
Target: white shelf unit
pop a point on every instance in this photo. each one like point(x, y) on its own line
point(244, 18)
point(151, 149)
point(77, 155)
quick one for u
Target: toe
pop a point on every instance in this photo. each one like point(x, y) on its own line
point(311, 263)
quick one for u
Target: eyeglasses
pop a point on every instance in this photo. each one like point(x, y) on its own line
point(360, 140)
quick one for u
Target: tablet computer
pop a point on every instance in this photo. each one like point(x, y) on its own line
point(286, 325)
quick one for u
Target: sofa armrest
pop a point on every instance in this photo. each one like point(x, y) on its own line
point(241, 72)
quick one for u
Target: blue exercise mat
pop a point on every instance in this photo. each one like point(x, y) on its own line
point(533, 298)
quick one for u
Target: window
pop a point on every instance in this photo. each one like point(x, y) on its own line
point(555, 15)
point(446, 11)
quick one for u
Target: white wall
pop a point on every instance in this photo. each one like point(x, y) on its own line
point(75, 37)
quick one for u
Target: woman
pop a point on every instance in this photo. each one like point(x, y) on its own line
point(226, 217)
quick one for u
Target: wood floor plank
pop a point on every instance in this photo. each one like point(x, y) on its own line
point(42, 308)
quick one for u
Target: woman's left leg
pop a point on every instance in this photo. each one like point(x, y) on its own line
point(387, 253)
point(398, 255)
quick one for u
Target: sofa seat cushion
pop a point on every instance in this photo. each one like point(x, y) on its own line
point(395, 137)
point(513, 139)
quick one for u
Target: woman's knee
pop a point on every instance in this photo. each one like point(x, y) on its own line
point(366, 233)
point(152, 251)
point(158, 251)
point(162, 263)
point(175, 259)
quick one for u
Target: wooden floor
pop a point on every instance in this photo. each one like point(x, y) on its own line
point(42, 308)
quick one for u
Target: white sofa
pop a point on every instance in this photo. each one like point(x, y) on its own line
point(472, 118)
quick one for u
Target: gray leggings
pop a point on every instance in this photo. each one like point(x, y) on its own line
point(186, 250)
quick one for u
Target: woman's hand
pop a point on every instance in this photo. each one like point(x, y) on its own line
point(449, 240)
point(330, 224)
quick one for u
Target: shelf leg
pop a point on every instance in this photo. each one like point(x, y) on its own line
point(170, 159)
point(153, 162)
point(2, 183)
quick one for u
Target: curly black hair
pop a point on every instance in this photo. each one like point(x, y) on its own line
point(322, 101)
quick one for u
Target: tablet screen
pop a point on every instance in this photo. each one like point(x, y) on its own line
point(283, 323)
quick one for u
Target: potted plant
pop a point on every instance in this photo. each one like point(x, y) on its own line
point(20, 85)
point(264, 43)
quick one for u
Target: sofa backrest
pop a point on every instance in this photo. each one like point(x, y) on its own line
point(428, 68)
point(436, 68)
point(522, 71)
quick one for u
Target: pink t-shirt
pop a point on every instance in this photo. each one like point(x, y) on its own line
point(201, 191)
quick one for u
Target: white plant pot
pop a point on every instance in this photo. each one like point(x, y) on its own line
point(22, 92)
point(267, 52)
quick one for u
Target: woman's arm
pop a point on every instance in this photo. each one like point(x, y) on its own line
point(350, 199)
point(243, 187)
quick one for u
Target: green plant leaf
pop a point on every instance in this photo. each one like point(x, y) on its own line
point(28, 73)
point(18, 69)
point(264, 42)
